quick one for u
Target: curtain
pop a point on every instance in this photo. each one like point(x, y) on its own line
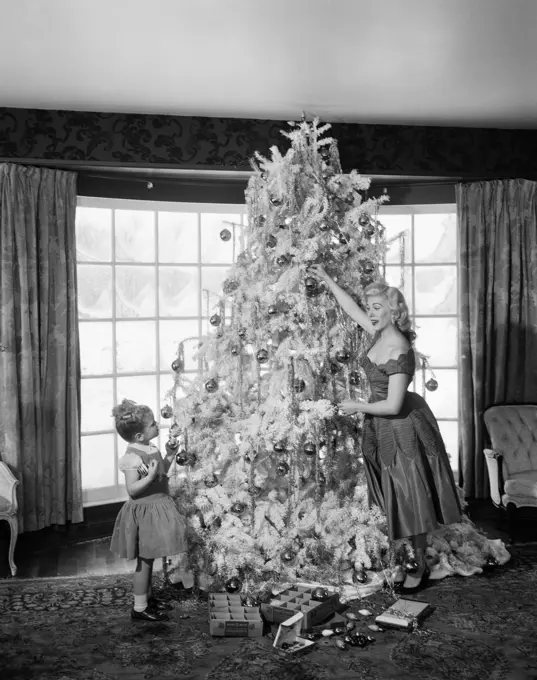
point(39, 350)
point(498, 295)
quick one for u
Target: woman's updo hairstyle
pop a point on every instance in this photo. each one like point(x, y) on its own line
point(397, 303)
point(131, 418)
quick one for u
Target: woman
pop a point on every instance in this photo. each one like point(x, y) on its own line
point(408, 471)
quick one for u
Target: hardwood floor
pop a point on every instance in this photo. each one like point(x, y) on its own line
point(85, 549)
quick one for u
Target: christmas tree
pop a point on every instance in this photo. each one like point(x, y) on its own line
point(273, 485)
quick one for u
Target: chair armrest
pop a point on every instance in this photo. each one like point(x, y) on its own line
point(494, 466)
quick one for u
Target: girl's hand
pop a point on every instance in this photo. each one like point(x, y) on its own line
point(318, 272)
point(348, 407)
point(152, 469)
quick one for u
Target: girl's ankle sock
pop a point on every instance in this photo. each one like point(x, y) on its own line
point(140, 603)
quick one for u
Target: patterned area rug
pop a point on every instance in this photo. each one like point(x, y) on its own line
point(483, 628)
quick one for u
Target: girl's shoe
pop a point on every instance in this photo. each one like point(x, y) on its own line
point(149, 614)
point(159, 605)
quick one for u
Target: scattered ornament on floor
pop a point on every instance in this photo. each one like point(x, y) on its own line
point(364, 612)
point(340, 644)
point(233, 585)
point(351, 625)
point(250, 600)
point(491, 562)
point(320, 594)
point(431, 385)
point(351, 616)
point(225, 235)
point(411, 566)
point(166, 411)
point(185, 616)
point(327, 632)
point(375, 628)
point(211, 385)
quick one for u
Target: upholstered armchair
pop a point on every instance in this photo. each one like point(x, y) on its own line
point(8, 510)
point(512, 461)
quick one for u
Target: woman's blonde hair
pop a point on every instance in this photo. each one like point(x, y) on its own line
point(397, 303)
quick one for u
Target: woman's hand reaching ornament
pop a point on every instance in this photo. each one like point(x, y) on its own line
point(317, 270)
point(348, 407)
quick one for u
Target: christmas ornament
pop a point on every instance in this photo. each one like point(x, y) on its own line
point(340, 644)
point(210, 481)
point(282, 260)
point(351, 616)
point(230, 286)
point(411, 566)
point(238, 508)
point(262, 356)
point(272, 310)
point(271, 241)
point(369, 231)
point(233, 585)
point(360, 576)
point(354, 378)
point(310, 449)
point(334, 368)
point(368, 267)
point(319, 594)
point(363, 220)
point(276, 201)
point(235, 350)
point(225, 235)
point(280, 447)
point(431, 385)
point(491, 562)
point(211, 385)
point(350, 625)
point(324, 226)
point(192, 459)
point(166, 411)
point(172, 444)
point(327, 632)
point(250, 600)
point(310, 283)
point(299, 385)
point(177, 365)
point(215, 320)
point(242, 333)
point(288, 221)
point(282, 468)
point(182, 458)
point(342, 356)
point(287, 555)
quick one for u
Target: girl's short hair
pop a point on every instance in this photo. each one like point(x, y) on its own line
point(131, 418)
point(397, 303)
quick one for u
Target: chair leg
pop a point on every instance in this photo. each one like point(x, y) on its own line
point(511, 508)
point(14, 526)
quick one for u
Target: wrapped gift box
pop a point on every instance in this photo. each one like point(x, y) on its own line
point(299, 600)
point(228, 618)
point(404, 614)
point(288, 638)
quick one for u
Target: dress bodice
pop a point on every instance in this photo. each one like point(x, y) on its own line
point(379, 374)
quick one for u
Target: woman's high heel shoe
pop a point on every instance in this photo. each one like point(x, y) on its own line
point(420, 585)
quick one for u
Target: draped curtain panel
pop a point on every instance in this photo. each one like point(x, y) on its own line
point(39, 351)
point(498, 295)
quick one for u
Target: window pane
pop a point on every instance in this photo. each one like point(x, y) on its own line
point(135, 291)
point(95, 347)
point(177, 237)
point(444, 402)
point(135, 235)
point(94, 291)
point(436, 290)
point(212, 279)
point(140, 388)
point(136, 346)
point(435, 238)
point(438, 340)
point(392, 276)
point(394, 226)
point(98, 462)
point(171, 334)
point(97, 398)
point(213, 249)
point(93, 234)
point(450, 435)
point(178, 291)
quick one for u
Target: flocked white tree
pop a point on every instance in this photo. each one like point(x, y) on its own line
point(274, 489)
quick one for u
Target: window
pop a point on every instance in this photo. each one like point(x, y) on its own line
point(149, 275)
point(425, 239)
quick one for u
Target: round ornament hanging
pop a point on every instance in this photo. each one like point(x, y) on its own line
point(287, 555)
point(225, 235)
point(310, 449)
point(177, 366)
point(364, 220)
point(299, 385)
point(282, 260)
point(210, 481)
point(172, 444)
point(211, 385)
point(342, 356)
point(282, 468)
point(431, 384)
point(215, 320)
point(237, 508)
point(272, 241)
point(182, 458)
point(354, 378)
point(230, 286)
point(166, 411)
point(280, 447)
point(310, 283)
point(235, 350)
point(262, 356)
point(276, 201)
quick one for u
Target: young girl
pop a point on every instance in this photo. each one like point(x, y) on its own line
point(149, 524)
